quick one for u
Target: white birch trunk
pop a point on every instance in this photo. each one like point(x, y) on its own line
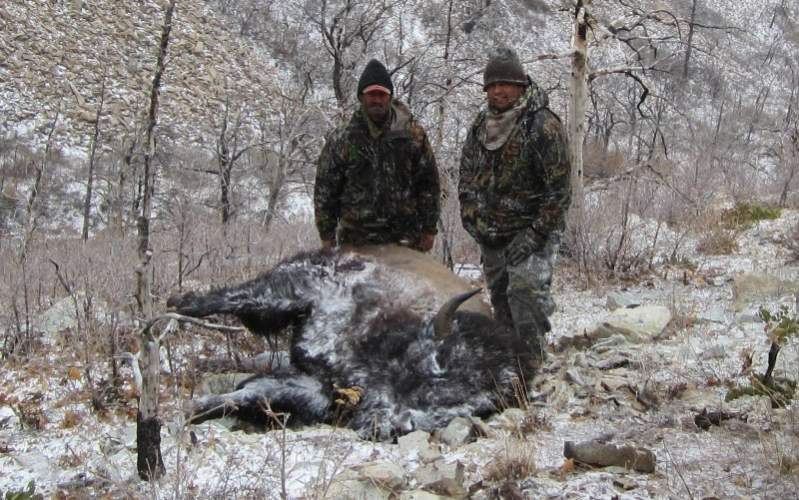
point(579, 92)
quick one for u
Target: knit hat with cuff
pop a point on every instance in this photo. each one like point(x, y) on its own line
point(375, 77)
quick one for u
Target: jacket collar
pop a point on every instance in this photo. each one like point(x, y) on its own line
point(497, 127)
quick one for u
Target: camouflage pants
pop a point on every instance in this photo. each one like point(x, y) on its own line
point(520, 294)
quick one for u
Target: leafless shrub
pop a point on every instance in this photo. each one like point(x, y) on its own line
point(718, 241)
point(534, 422)
point(599, 162)
point(606, 242)
point(717, 237)
point(515, 461)
point(30, 411)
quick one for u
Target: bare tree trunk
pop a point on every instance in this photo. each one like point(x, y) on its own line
point(33, 216)
point(690, 40)
point(448, 170)
point(23, 337)
point(150, 463)
point(227, 154)
point(118, 190)
point(87, 202)
point(579, 92)
point(224, 164)
point(275, 190)
point(292, 142)
point(338, 87)
point(224, 186)
point(790, 156)
point(354, 22)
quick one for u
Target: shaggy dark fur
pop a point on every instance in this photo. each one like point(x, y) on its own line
point(355, 323)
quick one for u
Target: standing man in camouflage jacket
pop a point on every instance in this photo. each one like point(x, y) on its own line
point(376, 180)
point(514, 192)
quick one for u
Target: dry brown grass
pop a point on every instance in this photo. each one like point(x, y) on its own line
point(718, 241)
point(599, 163)
point(515, 461)
point(716, 236)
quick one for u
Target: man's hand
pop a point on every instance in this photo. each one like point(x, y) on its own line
point(426, 241)
point(523, 245)
point(328, 243)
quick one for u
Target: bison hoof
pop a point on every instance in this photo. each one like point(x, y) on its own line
point(348, 397)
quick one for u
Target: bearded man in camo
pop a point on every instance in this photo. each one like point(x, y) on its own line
point(514, 192)
point(376, 180)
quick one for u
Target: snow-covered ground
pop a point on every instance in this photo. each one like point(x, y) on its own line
point(644, 394)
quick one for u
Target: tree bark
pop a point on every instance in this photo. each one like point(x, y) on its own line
point(579, 92)
point(448, 177)
point(275, 190)
point(224, 186)
point(150, 464)
point(690, 40)
point(87, 202)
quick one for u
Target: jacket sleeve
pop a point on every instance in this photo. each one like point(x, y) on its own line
point(327, 190)
point(553, 154)
point(427, 187)
point(466, 185)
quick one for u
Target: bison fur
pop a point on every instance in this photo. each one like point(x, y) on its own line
point(361, 324)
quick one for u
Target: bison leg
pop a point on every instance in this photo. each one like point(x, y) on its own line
point(302, 397)
point(264, 305)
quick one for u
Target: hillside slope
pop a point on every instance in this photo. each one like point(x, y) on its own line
point(55, 58)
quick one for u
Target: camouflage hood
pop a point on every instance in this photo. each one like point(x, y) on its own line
point(497, 126)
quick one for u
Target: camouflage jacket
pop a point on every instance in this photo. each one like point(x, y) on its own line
point(377, 190)
point(525, 183)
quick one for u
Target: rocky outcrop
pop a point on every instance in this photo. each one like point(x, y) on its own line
point(56, 56)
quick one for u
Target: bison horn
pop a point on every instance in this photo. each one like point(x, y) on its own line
point(442, 323)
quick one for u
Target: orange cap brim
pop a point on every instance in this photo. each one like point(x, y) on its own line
point(376, 88)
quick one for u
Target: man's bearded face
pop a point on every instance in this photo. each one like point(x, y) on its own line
point(377, 104)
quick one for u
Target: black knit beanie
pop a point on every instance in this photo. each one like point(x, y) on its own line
point(375, 74)
point(504, 66)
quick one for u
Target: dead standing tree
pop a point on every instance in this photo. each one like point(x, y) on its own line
point(288, 155)
point(87, 201)
point(232, 142)
point(21, 340)
point(448, 178)
point(647, 37)
point(344, 24)
point(577, 107)
point(228, 151)
point(149, 463)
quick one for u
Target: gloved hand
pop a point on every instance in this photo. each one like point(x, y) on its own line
point(425, 242)
point(522, 245)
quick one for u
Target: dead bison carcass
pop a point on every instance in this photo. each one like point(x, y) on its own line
point(382, 322)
